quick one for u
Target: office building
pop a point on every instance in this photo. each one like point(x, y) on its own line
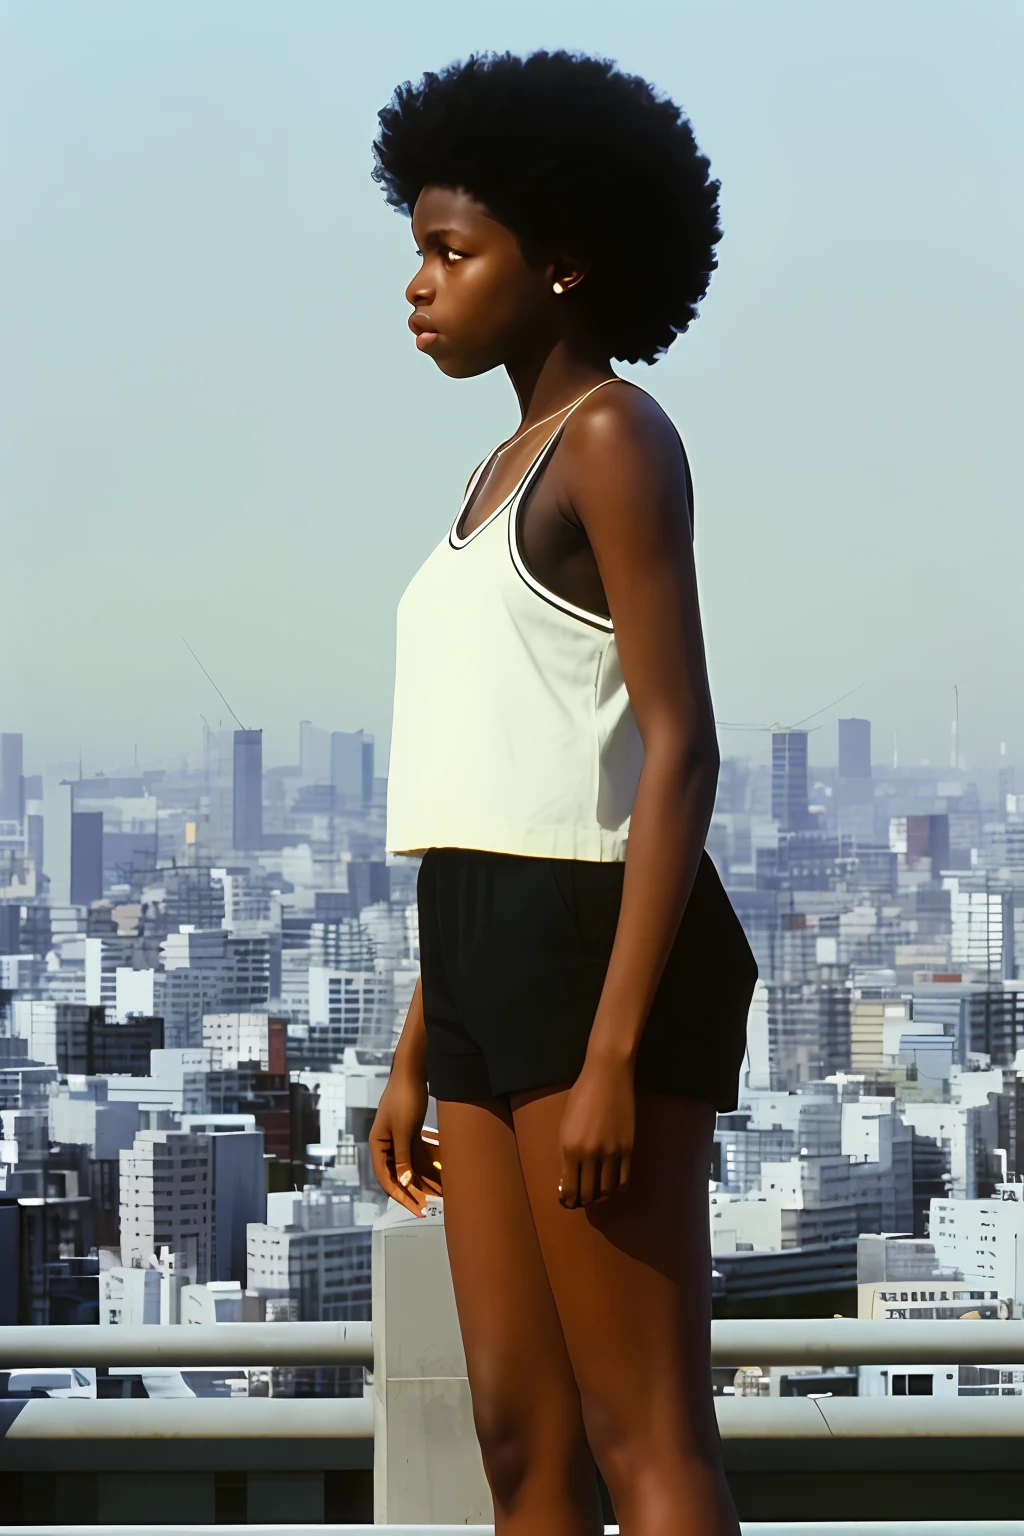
point(789, 780)
point(167, 1199)
point(855, 749)
point(352, 759)
point(12, 785)
point(239, 1186)
point(314, 754)
point(247, 791)
point(86, 857)
point(320, 1258)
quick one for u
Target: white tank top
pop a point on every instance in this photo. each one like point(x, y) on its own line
point(512, 727)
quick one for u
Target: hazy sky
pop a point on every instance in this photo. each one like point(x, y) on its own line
point(215, 423)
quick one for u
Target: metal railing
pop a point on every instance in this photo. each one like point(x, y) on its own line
point(351, 1418)
point(749, 1528)
point(775, 1341)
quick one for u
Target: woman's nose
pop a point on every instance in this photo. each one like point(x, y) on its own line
point(420, 291)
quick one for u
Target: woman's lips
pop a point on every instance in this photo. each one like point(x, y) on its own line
point(422, 329)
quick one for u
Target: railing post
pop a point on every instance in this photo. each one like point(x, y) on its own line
point(426, 1459)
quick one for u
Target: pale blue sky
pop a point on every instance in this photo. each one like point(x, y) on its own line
point(215, 423)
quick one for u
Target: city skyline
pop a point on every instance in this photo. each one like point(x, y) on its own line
point(217, 429)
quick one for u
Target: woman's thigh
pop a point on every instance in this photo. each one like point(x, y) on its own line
point(631, 1276)
point(519, 1371)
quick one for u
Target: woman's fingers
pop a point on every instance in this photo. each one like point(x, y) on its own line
point(609, 1179)
point(388, 1169)
point(569, 1182)
point(414, 1198)
point(586, 1179)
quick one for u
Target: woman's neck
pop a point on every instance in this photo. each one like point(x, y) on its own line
point(545, 384)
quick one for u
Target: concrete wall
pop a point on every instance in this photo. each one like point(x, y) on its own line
point(427, 1465)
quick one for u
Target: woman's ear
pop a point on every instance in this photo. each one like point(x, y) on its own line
point(566, 273)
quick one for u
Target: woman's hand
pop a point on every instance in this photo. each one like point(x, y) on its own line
point(395, 1132)
point(597, 1134)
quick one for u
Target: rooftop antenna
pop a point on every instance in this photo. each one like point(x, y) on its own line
point(956, 724)
point(231, 712)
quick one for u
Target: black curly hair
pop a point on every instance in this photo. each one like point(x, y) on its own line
point(576, 158)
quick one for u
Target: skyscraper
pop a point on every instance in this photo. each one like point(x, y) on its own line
point(789, 780)
point(247, 796)
point(86, 857)
point(12, 792)
point(314, 753)
point(855, 749)
point(352, 767)
point(855, 791)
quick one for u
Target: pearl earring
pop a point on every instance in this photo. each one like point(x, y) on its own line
point(557, 288)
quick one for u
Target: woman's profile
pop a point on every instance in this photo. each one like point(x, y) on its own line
point(584, 983)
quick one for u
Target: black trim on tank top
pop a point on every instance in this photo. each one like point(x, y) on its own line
point(511, 505)
point(584, 615)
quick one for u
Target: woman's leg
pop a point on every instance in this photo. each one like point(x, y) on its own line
point(631, 1279)
point(525, 1402)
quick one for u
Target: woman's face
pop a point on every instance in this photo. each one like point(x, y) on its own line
point(476, 302)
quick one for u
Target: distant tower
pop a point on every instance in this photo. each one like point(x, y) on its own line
point(789, 780)
point(12, 789)
point(314, 754)
point(855, 792)
point(352, 767)
point(86, 857)
point(855, 749)
point(247, 794)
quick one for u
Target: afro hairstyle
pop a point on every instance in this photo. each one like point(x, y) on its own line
point(577, 159)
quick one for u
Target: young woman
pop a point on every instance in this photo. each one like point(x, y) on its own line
point(584, 985)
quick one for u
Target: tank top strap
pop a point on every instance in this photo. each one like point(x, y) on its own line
point(548, 446)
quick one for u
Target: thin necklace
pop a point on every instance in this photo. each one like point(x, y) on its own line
point(515, 439)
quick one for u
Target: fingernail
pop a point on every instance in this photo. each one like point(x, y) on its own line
point(403, 1178)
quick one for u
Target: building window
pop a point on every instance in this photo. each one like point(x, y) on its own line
point(913, 1385)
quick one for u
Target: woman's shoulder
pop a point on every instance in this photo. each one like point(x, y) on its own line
point(620, 415)
point(621, 430)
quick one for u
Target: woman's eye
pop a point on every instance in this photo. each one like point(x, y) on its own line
point(451, 255)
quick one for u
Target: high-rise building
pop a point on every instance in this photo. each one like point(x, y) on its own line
point(314, 753)
point(86, 857)
point(789, 780)
point(78, 1039)
point(855, 791)
point(247, 796)
point(167, 1199)
point(352, 767)
point(368, 882)
point(10, 928)
point(239, 1187)
point(855, 749)
point(12, 787)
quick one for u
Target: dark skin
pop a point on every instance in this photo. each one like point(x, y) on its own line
point(576, 1215)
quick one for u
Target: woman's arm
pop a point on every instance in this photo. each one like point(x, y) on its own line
point(401, 1111)
point(628, 486)
point(411, 1051)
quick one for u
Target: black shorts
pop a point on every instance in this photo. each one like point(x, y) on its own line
point(513, 956)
